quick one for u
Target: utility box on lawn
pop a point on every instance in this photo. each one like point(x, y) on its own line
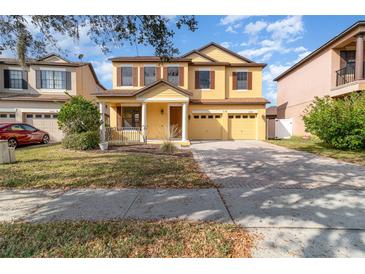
point(283, 128)
point(7, 154)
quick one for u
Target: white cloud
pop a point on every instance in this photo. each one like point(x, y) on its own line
point(231, 19)
point(104, 70)
point(226, 44)
point(254, 28)
point(300, 49)
point(233, 28)
point(302, 55)
point(270, 73)
point(289, 28)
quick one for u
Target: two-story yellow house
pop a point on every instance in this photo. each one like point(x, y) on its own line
point(210, 93)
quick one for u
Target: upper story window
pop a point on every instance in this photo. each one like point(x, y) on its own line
point(149, 75)
point(15, 79)
point(173, 75)
point(242, 78)
point(53, 79)
point(127, 76)
point(203, 79)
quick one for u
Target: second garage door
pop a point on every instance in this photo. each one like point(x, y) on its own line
point(242, 126)
point(205, 127)
point(46, 122)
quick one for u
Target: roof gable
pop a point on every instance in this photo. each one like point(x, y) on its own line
point(53, 58)
point(197, 56)
point(159, 87)
point(222, 54)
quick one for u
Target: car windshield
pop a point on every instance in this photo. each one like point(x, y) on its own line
point(3, 125)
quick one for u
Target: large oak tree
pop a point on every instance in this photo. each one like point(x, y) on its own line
point(33, 36)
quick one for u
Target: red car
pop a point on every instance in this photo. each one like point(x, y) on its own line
point(21, 134)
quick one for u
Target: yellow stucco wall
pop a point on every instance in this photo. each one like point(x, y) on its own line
point(221, 55)
point(256, 90)
point(162, 91)
point(115, 65)
point(197, 58)
point(219, 88)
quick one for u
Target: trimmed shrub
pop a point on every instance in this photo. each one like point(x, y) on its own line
point(78, 115)
point(338, 122)
point(82, 141)
point(168, 147)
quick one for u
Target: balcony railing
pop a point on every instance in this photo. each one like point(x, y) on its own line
point(347, 74)
point(124, 135)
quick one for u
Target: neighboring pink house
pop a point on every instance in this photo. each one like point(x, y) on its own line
point(334, 69)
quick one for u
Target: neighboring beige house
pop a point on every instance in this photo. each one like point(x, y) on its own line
point(210, 93)
point(34, 94)
point(334, 69)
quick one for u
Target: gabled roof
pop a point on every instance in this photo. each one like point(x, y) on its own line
point(146, 59)
point(13, 61)
point(226, 50)
point(178, 89)
point(53, 55)
point(201, 54)
point(130, 93)
point(321, 48)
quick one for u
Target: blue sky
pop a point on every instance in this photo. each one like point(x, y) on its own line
point(279, 41)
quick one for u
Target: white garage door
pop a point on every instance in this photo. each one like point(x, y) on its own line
point(46, 122)
point(7, 117)
point(242, 126)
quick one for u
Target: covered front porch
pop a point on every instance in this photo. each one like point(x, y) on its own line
point(156, 114)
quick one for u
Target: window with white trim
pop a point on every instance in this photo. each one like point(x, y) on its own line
point(242, 80)
point(16, 79)
point(127, 76)
point(173, 75)
point(149, 75)
point(204, 79)
point(51, 79)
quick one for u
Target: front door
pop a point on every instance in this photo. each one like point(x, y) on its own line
point(175, 122)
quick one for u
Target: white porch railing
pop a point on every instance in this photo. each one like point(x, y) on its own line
point(124, 135)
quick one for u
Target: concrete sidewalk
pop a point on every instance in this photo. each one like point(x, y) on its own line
point(290, 222)
point(106, 204)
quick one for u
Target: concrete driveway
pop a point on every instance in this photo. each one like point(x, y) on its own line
point(301, 204)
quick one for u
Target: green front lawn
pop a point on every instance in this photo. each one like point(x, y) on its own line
point(124, 239)
point(54, 167)
point(314, 145)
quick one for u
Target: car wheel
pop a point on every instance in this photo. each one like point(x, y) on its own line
point(12, 142)
point(45, 139)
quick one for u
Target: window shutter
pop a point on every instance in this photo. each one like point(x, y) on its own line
point(119, 76)
point(25, 80)
point(249, 80)
point(234, 80)
point(141, 77)
point(119, 117)
point(181, 76)
point(6, 78)
point(212, 79)
point(38, 79)
point(68, 80)
point(135, 76)
point(165, 73)
point(197, 86)
point(158, 73)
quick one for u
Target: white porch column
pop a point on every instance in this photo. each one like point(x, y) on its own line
point(184, 133)
point(359, 61)
point(102, 126)
point(144, 121)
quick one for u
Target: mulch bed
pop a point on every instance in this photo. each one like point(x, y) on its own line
point(149, 148)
